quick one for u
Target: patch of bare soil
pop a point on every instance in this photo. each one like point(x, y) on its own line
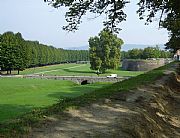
point(151, 111)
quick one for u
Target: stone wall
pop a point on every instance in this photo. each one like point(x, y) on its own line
point(79, 79)
point(141, 65)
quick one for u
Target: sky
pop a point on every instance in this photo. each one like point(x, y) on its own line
point(37, 20)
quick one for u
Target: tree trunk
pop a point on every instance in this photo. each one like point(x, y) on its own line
point(18, 71)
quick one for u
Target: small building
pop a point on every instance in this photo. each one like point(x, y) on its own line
point(177, 55)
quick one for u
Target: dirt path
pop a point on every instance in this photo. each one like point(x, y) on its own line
point(151, 111)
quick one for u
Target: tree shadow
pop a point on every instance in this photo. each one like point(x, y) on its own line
point(9, 111)
point(12, 111)
point(78, 71)
point(76, 91)
point(88, 72)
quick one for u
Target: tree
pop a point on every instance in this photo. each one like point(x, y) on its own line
point(9, 43)
point(77, 8)
point(104, 51)
point(166, 54)
point(168, 11)
point(149, 52)
point(135, 53)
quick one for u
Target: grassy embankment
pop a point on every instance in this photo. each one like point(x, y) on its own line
point(24, 123)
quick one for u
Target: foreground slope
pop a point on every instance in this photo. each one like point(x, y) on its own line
point(150, 110)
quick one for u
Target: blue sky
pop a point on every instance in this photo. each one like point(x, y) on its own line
point(37, 20)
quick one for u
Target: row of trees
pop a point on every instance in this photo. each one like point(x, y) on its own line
point(149, 52)
point(18, 54)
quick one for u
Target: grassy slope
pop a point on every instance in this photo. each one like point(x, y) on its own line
point(26, 121)
point(77, 70)
point(18, 96)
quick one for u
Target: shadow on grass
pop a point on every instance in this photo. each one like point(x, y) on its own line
point(77, 91)
point(90, 73)
point(9, 111)
point(78, 71)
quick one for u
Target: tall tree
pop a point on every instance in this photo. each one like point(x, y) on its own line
point(20, 53)
point(9, 45)
point(104, 51)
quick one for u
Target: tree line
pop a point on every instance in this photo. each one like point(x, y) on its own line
point(18, 54)
point(149, 52)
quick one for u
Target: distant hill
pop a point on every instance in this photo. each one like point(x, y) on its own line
point(124, 47)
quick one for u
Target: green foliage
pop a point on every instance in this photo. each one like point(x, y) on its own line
point(149, 52)
point(76, 9)
point(40, 55)
point(135, 53)
point(12, 52)
point(18, 54)
point(104, 51)
point(169, 17)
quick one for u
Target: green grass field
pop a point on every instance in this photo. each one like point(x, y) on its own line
point(18, 96)
point(75, 70)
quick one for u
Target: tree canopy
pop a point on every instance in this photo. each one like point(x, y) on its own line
point(104, 51)
point(112, 9)
point(167, 11)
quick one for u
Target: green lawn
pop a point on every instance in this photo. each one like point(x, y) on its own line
point(18, 96)
point(75, 70)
